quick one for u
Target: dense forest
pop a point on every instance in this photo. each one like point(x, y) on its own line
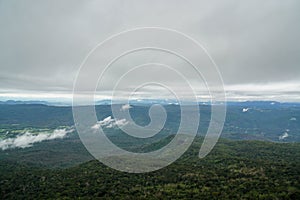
point(252, 160)
point(233, 170)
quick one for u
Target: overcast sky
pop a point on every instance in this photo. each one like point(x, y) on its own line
point(255, 43)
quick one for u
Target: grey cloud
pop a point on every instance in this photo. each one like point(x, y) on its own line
point(44, 42)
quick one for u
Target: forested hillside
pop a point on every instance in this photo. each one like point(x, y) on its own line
point(233, 170)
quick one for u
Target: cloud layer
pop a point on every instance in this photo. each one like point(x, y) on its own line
point(253, 42)
point(109, 122)
point(28, 139)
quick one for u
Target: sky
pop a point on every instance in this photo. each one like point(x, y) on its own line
point(254, 43)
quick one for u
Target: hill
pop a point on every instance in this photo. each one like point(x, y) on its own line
point(233, 170)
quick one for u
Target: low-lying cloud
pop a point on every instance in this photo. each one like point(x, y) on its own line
point(285, 135)
point(27, 139)
point(245, 109)
point(125, 107)
point(109, 122)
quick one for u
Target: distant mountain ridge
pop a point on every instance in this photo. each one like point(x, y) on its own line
point(269, 121)
point(14, 102)
point(31, 102)
point(153, 101)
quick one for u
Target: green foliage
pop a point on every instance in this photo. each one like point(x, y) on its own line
point(233, 170)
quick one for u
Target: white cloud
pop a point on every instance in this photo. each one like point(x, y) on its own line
point(293, 119)
point(125, 107)
point(285, 135)
point(109, 122)
point(28, 139)
point(245, 109)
